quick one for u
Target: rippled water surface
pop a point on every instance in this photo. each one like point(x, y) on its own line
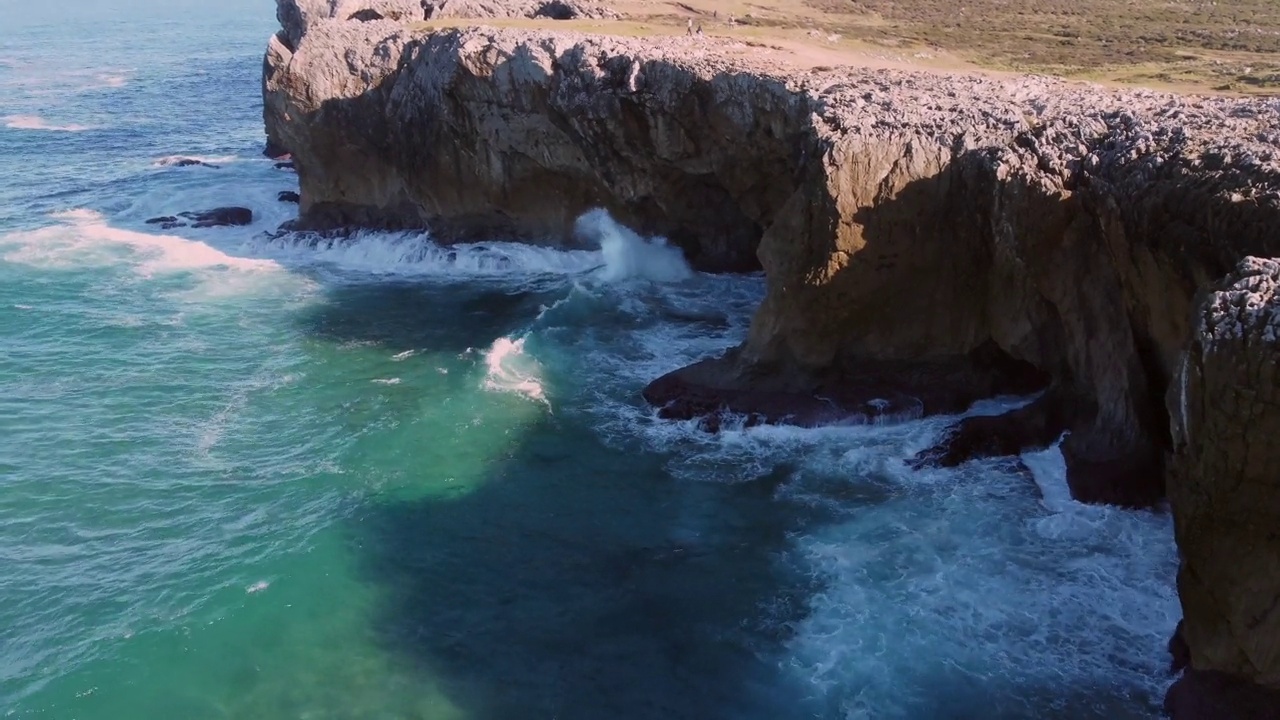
point(252, 478)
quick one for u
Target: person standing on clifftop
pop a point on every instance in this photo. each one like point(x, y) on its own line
point(688, 28)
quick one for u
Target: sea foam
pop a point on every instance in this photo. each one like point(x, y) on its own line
point(510, 369)
point(35, 122)
point(84, 238)
point(627, 254)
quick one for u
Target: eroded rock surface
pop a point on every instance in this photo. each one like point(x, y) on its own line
point(927, 238)
point(1224, 484)
point(549, 9)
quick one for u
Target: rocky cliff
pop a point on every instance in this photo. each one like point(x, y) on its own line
point(928, 240)
point(1224, 481)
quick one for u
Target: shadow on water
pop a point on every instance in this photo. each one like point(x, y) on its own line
point(580, 582)
point(407, 315)
point(574, 580)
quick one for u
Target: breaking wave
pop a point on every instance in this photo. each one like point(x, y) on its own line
point(627, 255)
point(84, 238)
point(510, 369)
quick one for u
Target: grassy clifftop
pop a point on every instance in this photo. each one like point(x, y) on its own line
point(1225, 46)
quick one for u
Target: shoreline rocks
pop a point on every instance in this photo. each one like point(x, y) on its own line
point(905, 221)
point(217, 217)
point(180, 161)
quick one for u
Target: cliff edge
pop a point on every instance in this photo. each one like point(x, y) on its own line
point(928, 240)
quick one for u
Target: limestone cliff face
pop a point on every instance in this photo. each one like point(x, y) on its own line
point(926, 238)
point(1225, 475)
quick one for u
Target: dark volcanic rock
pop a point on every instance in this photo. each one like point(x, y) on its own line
point(715, 389)
point(1033, 426)
point(217, 217)
point(184, 162)
point(288, 196)
point(220, 217)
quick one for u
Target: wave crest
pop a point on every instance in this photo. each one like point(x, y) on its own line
point(627, 254)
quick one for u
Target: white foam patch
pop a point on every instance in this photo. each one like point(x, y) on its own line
point(416, 255)
point(83, 238)
point(510, 370)
point(110, 80)
point(980, 589)
point(627, 254)
point(1049, 469)
point(948, 589)
point(35, 122)
point(386, 381)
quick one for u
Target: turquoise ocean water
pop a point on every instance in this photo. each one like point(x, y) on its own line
point(252, 478)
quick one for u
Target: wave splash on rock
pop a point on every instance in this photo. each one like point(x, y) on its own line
point(627, 254)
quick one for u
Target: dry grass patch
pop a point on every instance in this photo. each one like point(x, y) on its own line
point(1227, 46)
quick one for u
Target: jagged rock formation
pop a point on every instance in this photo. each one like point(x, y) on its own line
point(550, 9)
point(1225, 477)
point(927, 238)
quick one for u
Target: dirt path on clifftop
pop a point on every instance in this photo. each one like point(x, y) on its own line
point(795, 50)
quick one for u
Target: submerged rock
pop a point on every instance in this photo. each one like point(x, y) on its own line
point(288, 196)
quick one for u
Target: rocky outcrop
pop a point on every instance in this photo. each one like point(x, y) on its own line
point(927, 238)
point(1224, 484)
point(217, 217)
point(180, 161)
point(548, 9)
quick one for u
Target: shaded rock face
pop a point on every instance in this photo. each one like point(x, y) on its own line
point(1208, 695)
point(1224, 480)
point(478, 139)
point(927, 240)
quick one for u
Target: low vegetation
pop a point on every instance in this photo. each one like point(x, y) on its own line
point(1225, 46)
